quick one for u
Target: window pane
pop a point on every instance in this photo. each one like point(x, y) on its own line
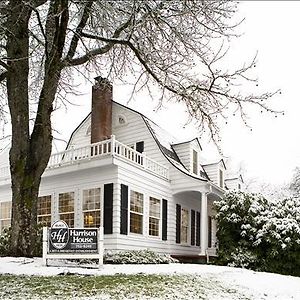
point(5, 210)
point(91, 219)
point(44, 220)
point(184, 225)
point(66, 202)
point(136, 223)
point(154, 216)
point(4, 224)
point(44, 205)
point(136, 202)
point(91, 207)
point(66, 208)
point(68, 218)
point(153, 226)
point(154, 209)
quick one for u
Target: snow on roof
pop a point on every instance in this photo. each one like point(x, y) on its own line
point(164, 137)
point(165, 142)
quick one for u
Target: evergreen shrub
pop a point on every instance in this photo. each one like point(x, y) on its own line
point(259, 234)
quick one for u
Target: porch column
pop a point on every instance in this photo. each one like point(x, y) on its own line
point(203, 224)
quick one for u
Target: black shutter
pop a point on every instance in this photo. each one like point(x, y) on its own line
point(139, 147)
point(108, 208)
point(192, 227)
point(164, 232)
point(198, 228)
point(178, 222)
point(124, 209)
point(209, 231)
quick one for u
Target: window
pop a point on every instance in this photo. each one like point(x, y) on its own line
point(136, 212)
point(66, 208)
point(5, 215)
point(184, 225)
point(44, 210)
point(88, 131)
point(121, 120)
point(91, 207)
point(154, 216)
point(221, 178)
point(195, 162)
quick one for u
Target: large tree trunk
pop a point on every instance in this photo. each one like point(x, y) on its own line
point(23, 185)
point(29, 154)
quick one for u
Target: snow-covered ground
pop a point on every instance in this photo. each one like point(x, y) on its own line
point(257, 285)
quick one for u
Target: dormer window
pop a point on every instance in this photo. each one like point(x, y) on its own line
point(221, 178)
point(195, 162)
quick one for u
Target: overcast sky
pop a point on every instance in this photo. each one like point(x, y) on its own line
point(271, 150)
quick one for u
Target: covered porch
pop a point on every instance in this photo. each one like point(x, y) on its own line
point(197, 223)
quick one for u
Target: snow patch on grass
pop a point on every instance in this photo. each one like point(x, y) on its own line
point(171, 281)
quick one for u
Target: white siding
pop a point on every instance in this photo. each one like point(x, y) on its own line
point(135, 130)
point(183, 151)
point(213, 172)
point(96, 173)
point(185, 154)
point(233, 184)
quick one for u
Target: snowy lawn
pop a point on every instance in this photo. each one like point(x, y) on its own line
point(27, 279)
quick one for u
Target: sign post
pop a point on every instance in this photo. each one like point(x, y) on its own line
point(62, 242)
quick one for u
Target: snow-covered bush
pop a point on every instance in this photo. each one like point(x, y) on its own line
point(259, 234)
point(137, 257)
point(4, 242)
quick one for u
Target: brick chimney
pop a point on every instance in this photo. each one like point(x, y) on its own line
point(101, 121)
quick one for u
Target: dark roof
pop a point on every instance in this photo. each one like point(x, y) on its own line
point(189, 141)
point(221, 160)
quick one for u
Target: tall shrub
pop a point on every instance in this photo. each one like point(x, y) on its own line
point(258, 234)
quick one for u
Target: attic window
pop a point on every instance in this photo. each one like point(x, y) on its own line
point(88, 131)
point(121, 120)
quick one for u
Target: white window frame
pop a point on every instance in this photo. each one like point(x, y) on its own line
point(187, 227)
point(155, 217)
point(4, 219)
point(137, 213)
point(46, 215)
point(100, 187)
point(67, 212)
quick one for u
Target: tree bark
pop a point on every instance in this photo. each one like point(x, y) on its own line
point(24, 186)
point(29, 154)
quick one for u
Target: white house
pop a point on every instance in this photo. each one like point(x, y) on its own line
point(122, 171)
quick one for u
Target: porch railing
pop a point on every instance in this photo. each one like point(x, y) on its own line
point(102, 149)
point(105, 148)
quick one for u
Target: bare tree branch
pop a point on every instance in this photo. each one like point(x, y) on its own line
point(3, 76)
point(4, 65)
point(78, 31)
point(98, 51)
